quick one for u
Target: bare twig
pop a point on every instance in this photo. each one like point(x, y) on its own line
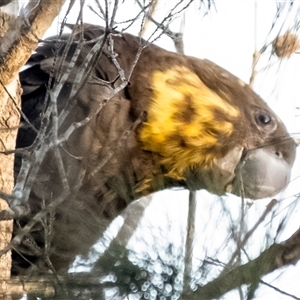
point(279, 290)
point(275, 257)
point(243, 242)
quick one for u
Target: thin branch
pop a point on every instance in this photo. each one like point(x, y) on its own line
point(176, 37)
point(279, 290)
point(112, 20)
point(243, 242)
point(275, 257)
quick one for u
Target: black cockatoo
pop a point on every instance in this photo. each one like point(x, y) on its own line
point(119, 118)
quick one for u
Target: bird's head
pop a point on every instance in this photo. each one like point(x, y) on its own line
point(210, 130)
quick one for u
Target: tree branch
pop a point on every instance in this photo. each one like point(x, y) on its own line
point(22, 38)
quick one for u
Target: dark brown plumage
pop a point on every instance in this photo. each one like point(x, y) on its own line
point(178, 121)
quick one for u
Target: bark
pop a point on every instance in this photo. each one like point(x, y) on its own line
point(35, 286)
point(22, 38)
point(9, 120)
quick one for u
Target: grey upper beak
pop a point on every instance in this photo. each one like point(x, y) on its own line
point(262, 173)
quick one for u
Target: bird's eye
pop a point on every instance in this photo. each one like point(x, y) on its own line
point(263, 119)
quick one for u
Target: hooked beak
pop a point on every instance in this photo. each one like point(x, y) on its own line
point(262, 173)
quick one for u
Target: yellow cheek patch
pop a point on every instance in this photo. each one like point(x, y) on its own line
point(186, 120)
